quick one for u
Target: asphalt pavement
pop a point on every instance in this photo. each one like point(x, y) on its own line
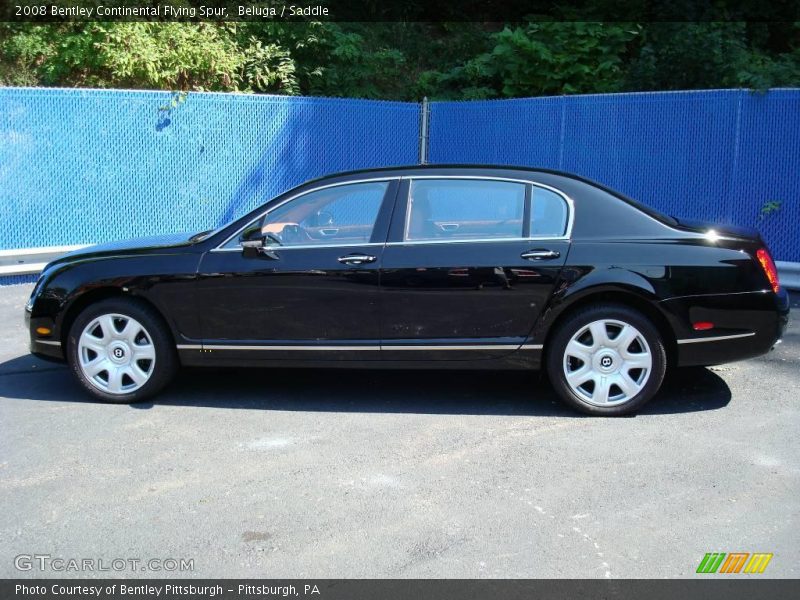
point(312, 473)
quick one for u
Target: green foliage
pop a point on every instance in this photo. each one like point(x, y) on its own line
point(769, 208)
point(553, 58)
point(23, 51)
point(269, 68)
point(180, 56)
point(677, 56)
point(358, 70)
point(176, 99)
point(403, 61)
point(173, 55)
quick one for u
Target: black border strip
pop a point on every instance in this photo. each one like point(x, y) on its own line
point(732, 587)
point(495, 11)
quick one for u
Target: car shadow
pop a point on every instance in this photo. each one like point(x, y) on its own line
point(361, 390)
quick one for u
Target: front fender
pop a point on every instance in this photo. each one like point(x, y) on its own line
point(164, 281)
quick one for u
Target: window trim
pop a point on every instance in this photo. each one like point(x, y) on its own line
point(409, 178)
point(570, 213)
point(528, 197)
point(220, 247)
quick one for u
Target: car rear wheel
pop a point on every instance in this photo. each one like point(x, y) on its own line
point(120, 351)
point(606, 360)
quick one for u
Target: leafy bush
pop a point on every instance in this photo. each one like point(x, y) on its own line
point(403, 60)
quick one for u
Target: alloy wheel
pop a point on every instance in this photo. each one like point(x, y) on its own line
point(607, 362)
point(116, 354)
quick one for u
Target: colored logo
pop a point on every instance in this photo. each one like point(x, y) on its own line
point(734, 562)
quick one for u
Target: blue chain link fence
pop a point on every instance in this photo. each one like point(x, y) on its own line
point(729, 156)
point(84, 166)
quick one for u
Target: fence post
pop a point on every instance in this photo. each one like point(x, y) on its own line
point(424, 118)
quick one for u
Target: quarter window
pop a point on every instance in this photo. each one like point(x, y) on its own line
point(548, 214)
point(464, 209)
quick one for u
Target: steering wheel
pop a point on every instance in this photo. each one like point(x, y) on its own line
point(294, 234)
point(273, 237)
point(324, 218)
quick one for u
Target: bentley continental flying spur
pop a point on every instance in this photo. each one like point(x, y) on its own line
point(446, 267)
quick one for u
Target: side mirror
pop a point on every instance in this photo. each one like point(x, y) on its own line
point(252, 241)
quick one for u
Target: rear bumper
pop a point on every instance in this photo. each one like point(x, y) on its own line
point(745, 325)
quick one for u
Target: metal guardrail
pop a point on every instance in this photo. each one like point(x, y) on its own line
point(789, 274)
point(27, 261)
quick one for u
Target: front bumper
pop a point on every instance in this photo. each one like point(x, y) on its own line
point(44, 347)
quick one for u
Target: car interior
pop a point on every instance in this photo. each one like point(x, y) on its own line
point(438, 210)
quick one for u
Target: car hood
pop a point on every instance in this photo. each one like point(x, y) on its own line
point(132, 246)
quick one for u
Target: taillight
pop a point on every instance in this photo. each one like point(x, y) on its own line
point(765, 260)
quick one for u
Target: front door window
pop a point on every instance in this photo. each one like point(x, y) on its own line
point(340, 215)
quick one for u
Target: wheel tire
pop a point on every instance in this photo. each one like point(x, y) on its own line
point(607, 356)
point(153, 338)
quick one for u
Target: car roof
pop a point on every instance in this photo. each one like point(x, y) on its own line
point(599, 190)
point(486, 169)
point(451, 166)
point(599, 200)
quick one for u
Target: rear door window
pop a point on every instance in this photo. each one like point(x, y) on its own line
point(464, 209)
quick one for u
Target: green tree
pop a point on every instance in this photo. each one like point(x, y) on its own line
point(555, 58)
point(175, 56)
point(402, 61)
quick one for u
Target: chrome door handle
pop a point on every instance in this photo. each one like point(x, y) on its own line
point(356, 259)
point(540, 254)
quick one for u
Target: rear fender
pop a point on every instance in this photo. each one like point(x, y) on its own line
point(580, 286)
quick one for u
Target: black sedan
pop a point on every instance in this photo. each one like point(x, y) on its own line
point(449, 267)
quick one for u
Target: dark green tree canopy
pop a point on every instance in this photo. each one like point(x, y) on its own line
point(403, 61)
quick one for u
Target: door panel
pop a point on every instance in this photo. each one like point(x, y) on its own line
point(293, 297)
point(465, 293)
point(312, 291)
point(461, 270)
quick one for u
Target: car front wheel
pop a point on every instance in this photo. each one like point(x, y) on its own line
point(120, 350)
point(606, 360)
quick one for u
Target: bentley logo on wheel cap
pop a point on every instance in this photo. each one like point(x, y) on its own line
point(606, 361)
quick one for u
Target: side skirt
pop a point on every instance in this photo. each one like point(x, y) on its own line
point(528, 360)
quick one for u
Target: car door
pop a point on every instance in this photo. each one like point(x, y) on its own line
point(468, 266)
point(311, 292)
